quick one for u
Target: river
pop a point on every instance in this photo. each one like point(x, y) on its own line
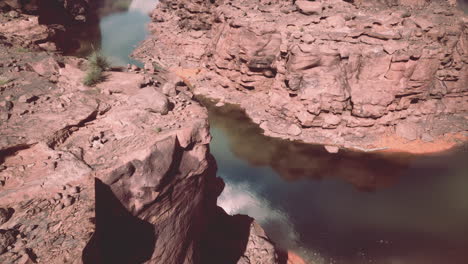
point(349, 208)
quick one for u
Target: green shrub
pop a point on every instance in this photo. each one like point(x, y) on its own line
point(4, 80)
point(158, 67)
point(98, 60)
point(22, 50)
point(93, 76)
point(121, 5)
point(97, 63)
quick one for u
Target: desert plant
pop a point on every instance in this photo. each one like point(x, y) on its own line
point(98, 60)
point(4, 80)
point(157, 66)
point(97, 63)
point(22, 50)
point(121, 5)
point(93, 76)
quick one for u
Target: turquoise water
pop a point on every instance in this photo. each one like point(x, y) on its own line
point(349, 208)
point(121, 33)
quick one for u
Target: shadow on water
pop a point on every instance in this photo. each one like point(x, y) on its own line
point(119, 237)
point(296, 160)
point(349, 207)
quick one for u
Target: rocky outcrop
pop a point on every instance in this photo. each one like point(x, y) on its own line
point(104, 175)
point(78, 10)
point(49, 25)
point(334, 72)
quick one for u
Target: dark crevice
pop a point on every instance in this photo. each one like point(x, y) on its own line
point(120, 237)
point(226, 239)
point(11, 151)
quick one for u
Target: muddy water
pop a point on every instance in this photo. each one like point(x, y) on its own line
point(349, 208)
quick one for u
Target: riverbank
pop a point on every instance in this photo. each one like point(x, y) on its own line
point(387, 141)
point(372, 88)
point(125, 158)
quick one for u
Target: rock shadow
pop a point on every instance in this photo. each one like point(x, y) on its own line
point(11, 151)
point(226, 238)
point(120, 237)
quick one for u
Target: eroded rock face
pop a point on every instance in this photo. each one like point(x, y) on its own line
point(339, 69)
point(114, 173)
point(48, 25)
point(72, 9)
point(7, 238)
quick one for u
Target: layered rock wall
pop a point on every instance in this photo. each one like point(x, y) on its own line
point(325, 71)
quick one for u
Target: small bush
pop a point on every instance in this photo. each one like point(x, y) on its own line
point(97, 63)
point(98, 60)
point(121, 5)
point(158, 67)
point(93, 76)
point(22, 50)
point(4, 80)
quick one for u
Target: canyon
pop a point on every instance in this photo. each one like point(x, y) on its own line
point(348, 74)
point(116, 173)
point(124, 172)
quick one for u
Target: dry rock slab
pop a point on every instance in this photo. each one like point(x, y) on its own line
point(151, 100)
point(309, 8)
point(408, 130)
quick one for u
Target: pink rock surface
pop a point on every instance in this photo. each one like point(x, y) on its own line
point(114, 173)
point(343, 67)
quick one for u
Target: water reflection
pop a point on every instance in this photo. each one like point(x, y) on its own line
point(242, 198)
point(121, 32)
point(121, 27)
point(413, 209)
point(292, 160)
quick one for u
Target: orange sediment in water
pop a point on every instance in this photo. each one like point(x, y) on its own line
point(293, 258)
point(393, 143)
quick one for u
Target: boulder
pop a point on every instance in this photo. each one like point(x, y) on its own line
point(332, 149)
point(294, 130)
point(150, 99)
point(46, 67)
point(309, 7)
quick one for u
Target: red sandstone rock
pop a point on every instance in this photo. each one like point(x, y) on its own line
point(365, 64)
point(140, 184)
